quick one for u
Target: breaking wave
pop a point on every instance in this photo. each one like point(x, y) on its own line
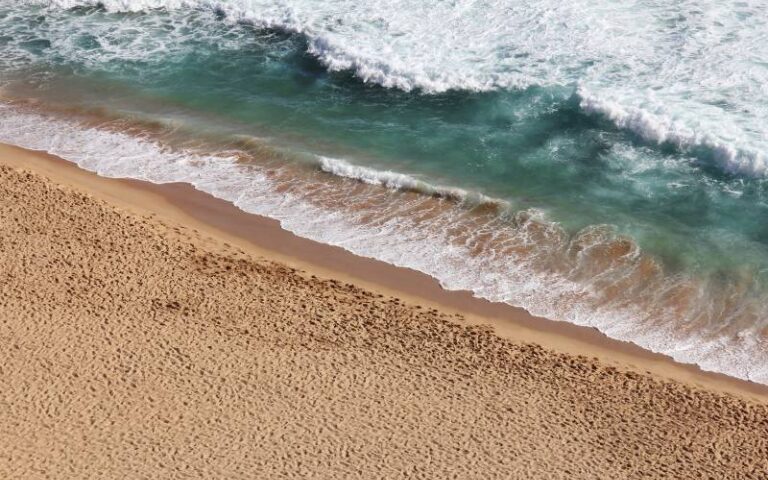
point(691, 75)
point(403, 182)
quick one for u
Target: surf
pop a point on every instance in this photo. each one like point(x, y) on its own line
point(579, 179)
point(661, 54)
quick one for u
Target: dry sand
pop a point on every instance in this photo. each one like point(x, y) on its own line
point(138, 344)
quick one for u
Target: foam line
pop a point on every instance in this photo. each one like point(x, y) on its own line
point(504, 260)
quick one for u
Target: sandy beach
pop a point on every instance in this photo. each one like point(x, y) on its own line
point(155, 332)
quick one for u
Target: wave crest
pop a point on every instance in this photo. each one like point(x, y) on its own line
point(661, 129)
point(404, 182)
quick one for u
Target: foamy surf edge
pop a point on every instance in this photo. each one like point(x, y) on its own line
point(412, 245)
point(404, 182)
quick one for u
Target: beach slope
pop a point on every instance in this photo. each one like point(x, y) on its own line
point(137, 346)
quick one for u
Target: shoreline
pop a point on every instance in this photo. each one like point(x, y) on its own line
point(142, 342)
point(263, 237)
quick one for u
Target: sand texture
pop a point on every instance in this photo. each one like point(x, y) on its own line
point(135, 348)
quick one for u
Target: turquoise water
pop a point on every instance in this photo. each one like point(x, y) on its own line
point(628, 184)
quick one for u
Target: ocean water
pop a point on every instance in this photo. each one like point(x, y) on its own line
point(603, 163)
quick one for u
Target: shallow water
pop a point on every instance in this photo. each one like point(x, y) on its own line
point(598, 163)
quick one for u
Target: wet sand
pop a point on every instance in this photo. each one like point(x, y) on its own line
point(155, 332)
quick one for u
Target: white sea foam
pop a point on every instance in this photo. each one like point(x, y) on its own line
point(485, 259)
point(401, 181)
point(661, 129)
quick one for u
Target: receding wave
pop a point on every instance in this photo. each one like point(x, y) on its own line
point(593, 276)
